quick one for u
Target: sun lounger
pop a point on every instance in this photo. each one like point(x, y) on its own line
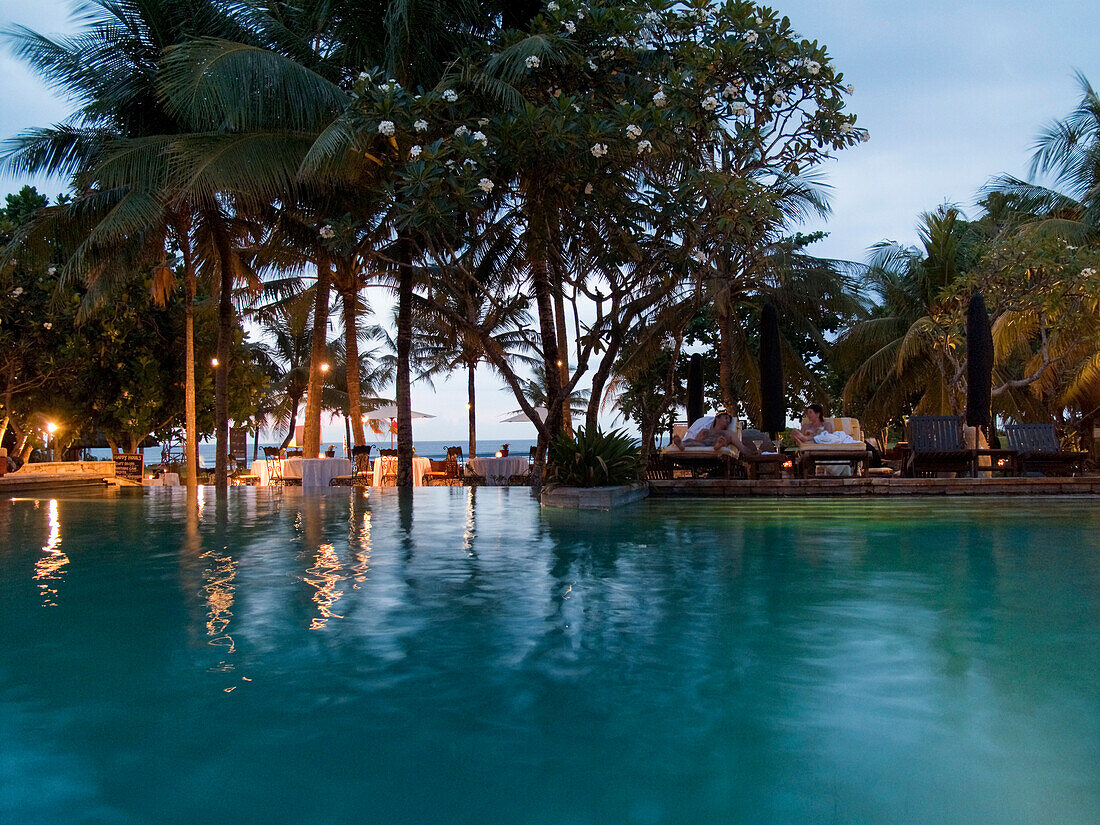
point(937, 445)
point(849, 458)
point(1037, 450)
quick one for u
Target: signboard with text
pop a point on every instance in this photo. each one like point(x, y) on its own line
point(130, 466)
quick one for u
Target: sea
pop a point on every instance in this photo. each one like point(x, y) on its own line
point(425, 449)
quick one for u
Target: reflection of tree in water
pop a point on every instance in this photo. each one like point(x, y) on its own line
point(49, 567)
point(219, 572)
point(326, 570)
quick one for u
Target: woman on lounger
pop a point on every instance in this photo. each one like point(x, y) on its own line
point(813, 425)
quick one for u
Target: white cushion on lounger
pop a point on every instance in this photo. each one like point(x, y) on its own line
point(698, 451)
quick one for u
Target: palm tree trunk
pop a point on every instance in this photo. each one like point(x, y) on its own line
point(191, 427)
point(351, 351)
point(226, 322)
point(548, 335)
point(404, 351)
point(471, 370)
point(563, 356)
point(293, 420)
point(317, 356)
point(725, 359)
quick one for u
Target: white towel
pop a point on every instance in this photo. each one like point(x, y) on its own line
point(834, 438)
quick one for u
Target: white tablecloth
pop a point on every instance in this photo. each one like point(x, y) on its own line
point(498, 470)
point(314, 472)
point(386, 465)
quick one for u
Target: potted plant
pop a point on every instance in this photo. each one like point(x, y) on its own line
point(594, 470)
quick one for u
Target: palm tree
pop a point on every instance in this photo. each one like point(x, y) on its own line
point(442, 346)
point(110, 68)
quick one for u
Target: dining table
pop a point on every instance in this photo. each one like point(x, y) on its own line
point(497, 471)
point(313, 472)
point(386, 465)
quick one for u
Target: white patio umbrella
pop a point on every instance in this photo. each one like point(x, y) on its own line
point(521, 418)
point(389, 412)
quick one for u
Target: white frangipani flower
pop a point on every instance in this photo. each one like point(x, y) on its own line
point(780, 98)
point(699, 256)
point(47, 325)
point(327, 232)
point(17, 292)
point(850, 89)
point(739, 109)
point(570, 26)
point(633, 131)
point(652, 18)
point(598, 150)
point(485, 185)
point(865, 135)
point(479, 137)
point(533, 61)
point(414, 152)
point(731, 91)
point(710, 103)
point(1088, 272)
point(552, 6)
point(385, 127)
point(483, 121)
point(588, 189)
point(751, 36)
point(51, 270)
point(461, 130)
point(659, 100)
point(421, 125)
point(644, 147)
point(451, 96)
point(812, 66)
point(846, 128)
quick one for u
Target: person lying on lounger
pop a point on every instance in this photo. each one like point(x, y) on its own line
point(816, 430)
point(717, 436)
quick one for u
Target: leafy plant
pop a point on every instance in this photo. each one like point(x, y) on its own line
point(593, 458)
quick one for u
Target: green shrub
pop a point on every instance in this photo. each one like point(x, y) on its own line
point(593, 459)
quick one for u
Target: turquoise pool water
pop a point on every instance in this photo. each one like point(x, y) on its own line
point(461, 657)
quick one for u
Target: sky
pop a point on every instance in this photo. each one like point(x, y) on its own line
point(953, 94)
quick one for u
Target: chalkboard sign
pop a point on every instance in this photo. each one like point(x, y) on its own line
point(129, 466)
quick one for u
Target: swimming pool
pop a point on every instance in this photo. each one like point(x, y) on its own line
point(458, 656)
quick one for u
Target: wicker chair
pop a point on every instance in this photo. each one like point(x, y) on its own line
point(389, 468)
point(274, 458)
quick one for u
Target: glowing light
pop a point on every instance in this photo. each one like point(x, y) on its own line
point(213, 362)
point(324, 367)
point(51, 428)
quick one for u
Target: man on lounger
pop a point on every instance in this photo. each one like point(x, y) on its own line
point(717, 436)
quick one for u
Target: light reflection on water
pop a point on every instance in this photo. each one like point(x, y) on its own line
point(474, 659)
point(49, 569)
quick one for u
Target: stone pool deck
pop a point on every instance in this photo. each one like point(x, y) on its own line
point(808, 487)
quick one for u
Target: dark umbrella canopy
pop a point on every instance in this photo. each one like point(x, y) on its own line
point(979, 363)
point(773, 412)
point(695, 388)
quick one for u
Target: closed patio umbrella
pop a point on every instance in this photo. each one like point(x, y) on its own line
point(773, 412)
point(695, 389)
point(979, 364)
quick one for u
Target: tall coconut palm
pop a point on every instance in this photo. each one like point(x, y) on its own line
point(903, 357)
